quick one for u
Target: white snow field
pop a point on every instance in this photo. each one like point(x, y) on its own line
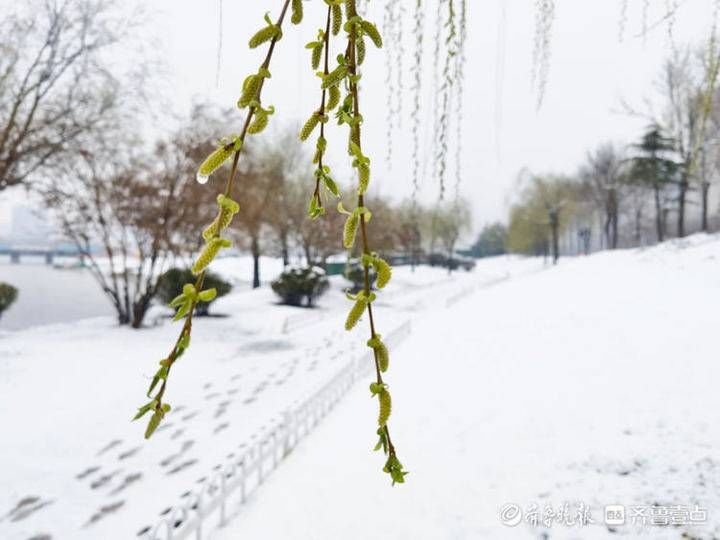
point(595, 383)
point(73, 466)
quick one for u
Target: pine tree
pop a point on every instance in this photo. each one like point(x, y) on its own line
point(653, 168)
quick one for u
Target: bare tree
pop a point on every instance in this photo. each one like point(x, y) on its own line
point(286, 168)
point(409, 235)
point(54, 89)
point(317, 238)
point(128, 216)
point(250, 225)
point(602, 175)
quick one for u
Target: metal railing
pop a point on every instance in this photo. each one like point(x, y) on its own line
point(241, 476)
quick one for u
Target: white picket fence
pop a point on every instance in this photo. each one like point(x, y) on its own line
point(228, 488)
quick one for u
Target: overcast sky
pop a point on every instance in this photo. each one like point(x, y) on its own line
point(591, 72)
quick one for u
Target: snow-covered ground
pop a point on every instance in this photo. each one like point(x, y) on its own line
point(72, 465)
point(592, 383)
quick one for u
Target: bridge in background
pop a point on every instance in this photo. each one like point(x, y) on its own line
point(48, 252)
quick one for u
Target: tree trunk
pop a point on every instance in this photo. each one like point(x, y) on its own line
point(615, 231)
point(284, 248)
point(613, 220)
point(255, 248)
point(705, 189)
point(681, 207)
point(140, 309)
point(607, 229)
point(554, 227)
point(658, 214)
point(638, 230)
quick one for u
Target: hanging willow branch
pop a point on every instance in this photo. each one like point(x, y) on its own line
point(446, 90)
point(330, 98)
point(417, 94)
point(459, 85)
point(256, 120)
point(346, 75)
point(544, 17)
point(392, 93)
point(622, 21)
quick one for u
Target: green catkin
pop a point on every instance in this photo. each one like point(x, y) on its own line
point(297, 12)
point(337, 18)
point(364, 178)
point(360, 51)
point(264, 35)
point(355, 135)
point(319, 149)
point(384, 272)
point(212, 247)
point(381, 352)
point(249, 90)
point(385, 406)
point(310, 126)
point(350, 230)
point(331, 185)
point(372, 32)
point(227, 210)
point(356, 312)
point(260, 122)
point(350, 8)
point(316, 56)
point(334, 77)
point(333, 98)
point(215, 160)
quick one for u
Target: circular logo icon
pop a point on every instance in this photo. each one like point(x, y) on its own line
point(510, 514)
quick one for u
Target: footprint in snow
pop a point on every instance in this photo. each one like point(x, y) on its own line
point(104, 479)
point(184, 465)
point(129, 453)
point(109, 446)
point(104, 511)
point(189, 416)
point(26, 507)
point(186, 445)
point(87, 472)
point(168, 460)
point(127, 481)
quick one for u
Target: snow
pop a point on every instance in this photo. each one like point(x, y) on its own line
point(592, 381)
point(76, 467)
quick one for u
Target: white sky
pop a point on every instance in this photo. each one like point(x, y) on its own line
point(590, 72)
